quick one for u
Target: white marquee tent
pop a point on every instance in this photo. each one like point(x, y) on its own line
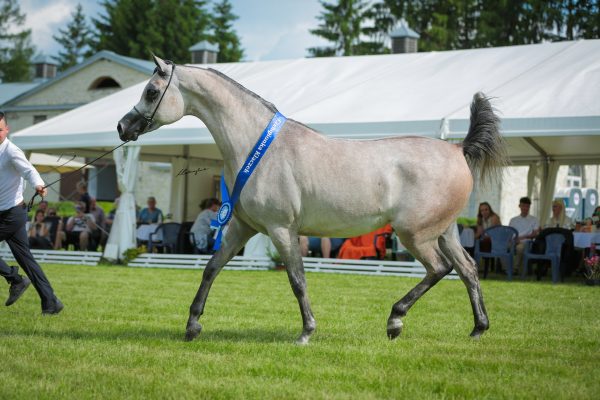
point(547, 95)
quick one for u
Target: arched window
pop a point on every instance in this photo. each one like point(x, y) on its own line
point(104, 82)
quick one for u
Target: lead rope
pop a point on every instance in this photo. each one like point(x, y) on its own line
point(30, 204)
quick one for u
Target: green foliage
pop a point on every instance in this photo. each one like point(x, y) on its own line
point(355, 27)
point(223, 33)
point(67, 208)
point(16, 49)
point(74, 39)
point(133, 253)
point(344, 25)
point(466, 221)
point(137, 27)
point(120, 336)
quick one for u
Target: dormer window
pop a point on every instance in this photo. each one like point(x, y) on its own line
point(104, 82)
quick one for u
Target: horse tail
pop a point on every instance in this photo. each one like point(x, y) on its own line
point(484, 147)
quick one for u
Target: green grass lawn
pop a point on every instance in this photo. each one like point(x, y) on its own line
point(120, 336)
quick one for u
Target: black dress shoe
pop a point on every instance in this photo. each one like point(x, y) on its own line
point(16, 290)
point(58, 306)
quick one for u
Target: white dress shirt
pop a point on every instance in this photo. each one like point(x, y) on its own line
point(14, 167)
point(525, 225)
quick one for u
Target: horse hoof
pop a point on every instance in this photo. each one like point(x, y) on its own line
point(192, 331)
point(394, 329)
point(303, 340)
point(476, 334)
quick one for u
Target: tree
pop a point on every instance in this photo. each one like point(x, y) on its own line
point(223, 33)
point(137, 27)
point(74, 40)
point(16, 49)
point(344, 24)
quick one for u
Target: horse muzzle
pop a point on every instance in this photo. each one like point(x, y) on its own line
point(131, 126)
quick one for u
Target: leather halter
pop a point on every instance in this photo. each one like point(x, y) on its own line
point(150, 119)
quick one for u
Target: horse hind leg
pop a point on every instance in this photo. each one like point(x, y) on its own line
point(237, 236)
point(430, 255)
point(287, 243)
point(467, 270)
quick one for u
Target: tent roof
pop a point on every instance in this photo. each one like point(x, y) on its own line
point(547, 96)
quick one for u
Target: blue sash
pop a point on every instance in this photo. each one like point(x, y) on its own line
point(228, 202)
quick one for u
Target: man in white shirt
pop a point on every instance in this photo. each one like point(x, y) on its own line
point(14, 167)
point(528, 227)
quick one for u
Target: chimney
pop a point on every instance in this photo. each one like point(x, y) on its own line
point(44, 67)
point(204, 53)
point(404, 39)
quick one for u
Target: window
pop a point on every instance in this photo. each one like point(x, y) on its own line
point(104, 82)
point(39, 118)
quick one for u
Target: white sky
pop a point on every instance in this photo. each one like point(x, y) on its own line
point(268, 29)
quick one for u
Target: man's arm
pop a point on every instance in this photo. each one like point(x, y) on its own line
point(27, 171)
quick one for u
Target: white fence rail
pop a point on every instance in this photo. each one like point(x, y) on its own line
point(58, 256)
point(331, 265)
point(192, 261)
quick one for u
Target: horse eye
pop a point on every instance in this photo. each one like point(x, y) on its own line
point(151, 94)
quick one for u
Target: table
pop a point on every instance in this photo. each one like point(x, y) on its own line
point(143, 232)
point(584, 240)
point(467, 237)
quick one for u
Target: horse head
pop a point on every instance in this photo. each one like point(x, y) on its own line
point(161, 103)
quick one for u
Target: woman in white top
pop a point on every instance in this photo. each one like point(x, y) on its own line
point(559, 219)
point(486, 218)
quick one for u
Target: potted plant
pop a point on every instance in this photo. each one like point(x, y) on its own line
point(277, 260)
point(591, 267)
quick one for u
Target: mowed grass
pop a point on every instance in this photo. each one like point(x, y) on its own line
point(121, 336)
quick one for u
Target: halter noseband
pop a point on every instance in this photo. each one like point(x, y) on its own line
point(150, 119)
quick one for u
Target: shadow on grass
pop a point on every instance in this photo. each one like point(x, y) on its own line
point(239, 335)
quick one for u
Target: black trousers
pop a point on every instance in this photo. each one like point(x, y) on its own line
point(12, 229)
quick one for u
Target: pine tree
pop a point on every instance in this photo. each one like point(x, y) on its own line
point(16, 49)
point(223, 33)
point(137, 27)
point(74, 40)
point(344, 24)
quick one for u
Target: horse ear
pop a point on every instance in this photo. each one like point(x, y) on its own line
point(160, 65)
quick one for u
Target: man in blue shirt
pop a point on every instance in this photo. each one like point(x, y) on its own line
point(150, 214)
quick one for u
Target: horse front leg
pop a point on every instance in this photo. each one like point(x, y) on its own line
point(287, 244)
point(236, 237)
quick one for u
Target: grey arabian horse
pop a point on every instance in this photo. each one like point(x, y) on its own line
point(309, 184)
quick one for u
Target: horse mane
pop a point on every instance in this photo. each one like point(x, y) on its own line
point(267, 104)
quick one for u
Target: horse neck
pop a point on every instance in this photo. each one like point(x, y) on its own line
point(234, 117)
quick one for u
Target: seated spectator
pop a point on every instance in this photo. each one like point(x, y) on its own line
point(486, 218)
point(150, 214)
point(80, 227)
point(84, 196)
point(528, 227)
point(596, 218)
point(56, 227)
point(559, 219)
point(203, 233)
point(43, 206)
point(39, 234)
point(325, 246)
point(100, 235)
point(365, 246)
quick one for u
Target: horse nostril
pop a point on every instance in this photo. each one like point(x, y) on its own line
point(120, 130)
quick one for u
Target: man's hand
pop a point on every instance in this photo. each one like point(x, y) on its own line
point(42, 191)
